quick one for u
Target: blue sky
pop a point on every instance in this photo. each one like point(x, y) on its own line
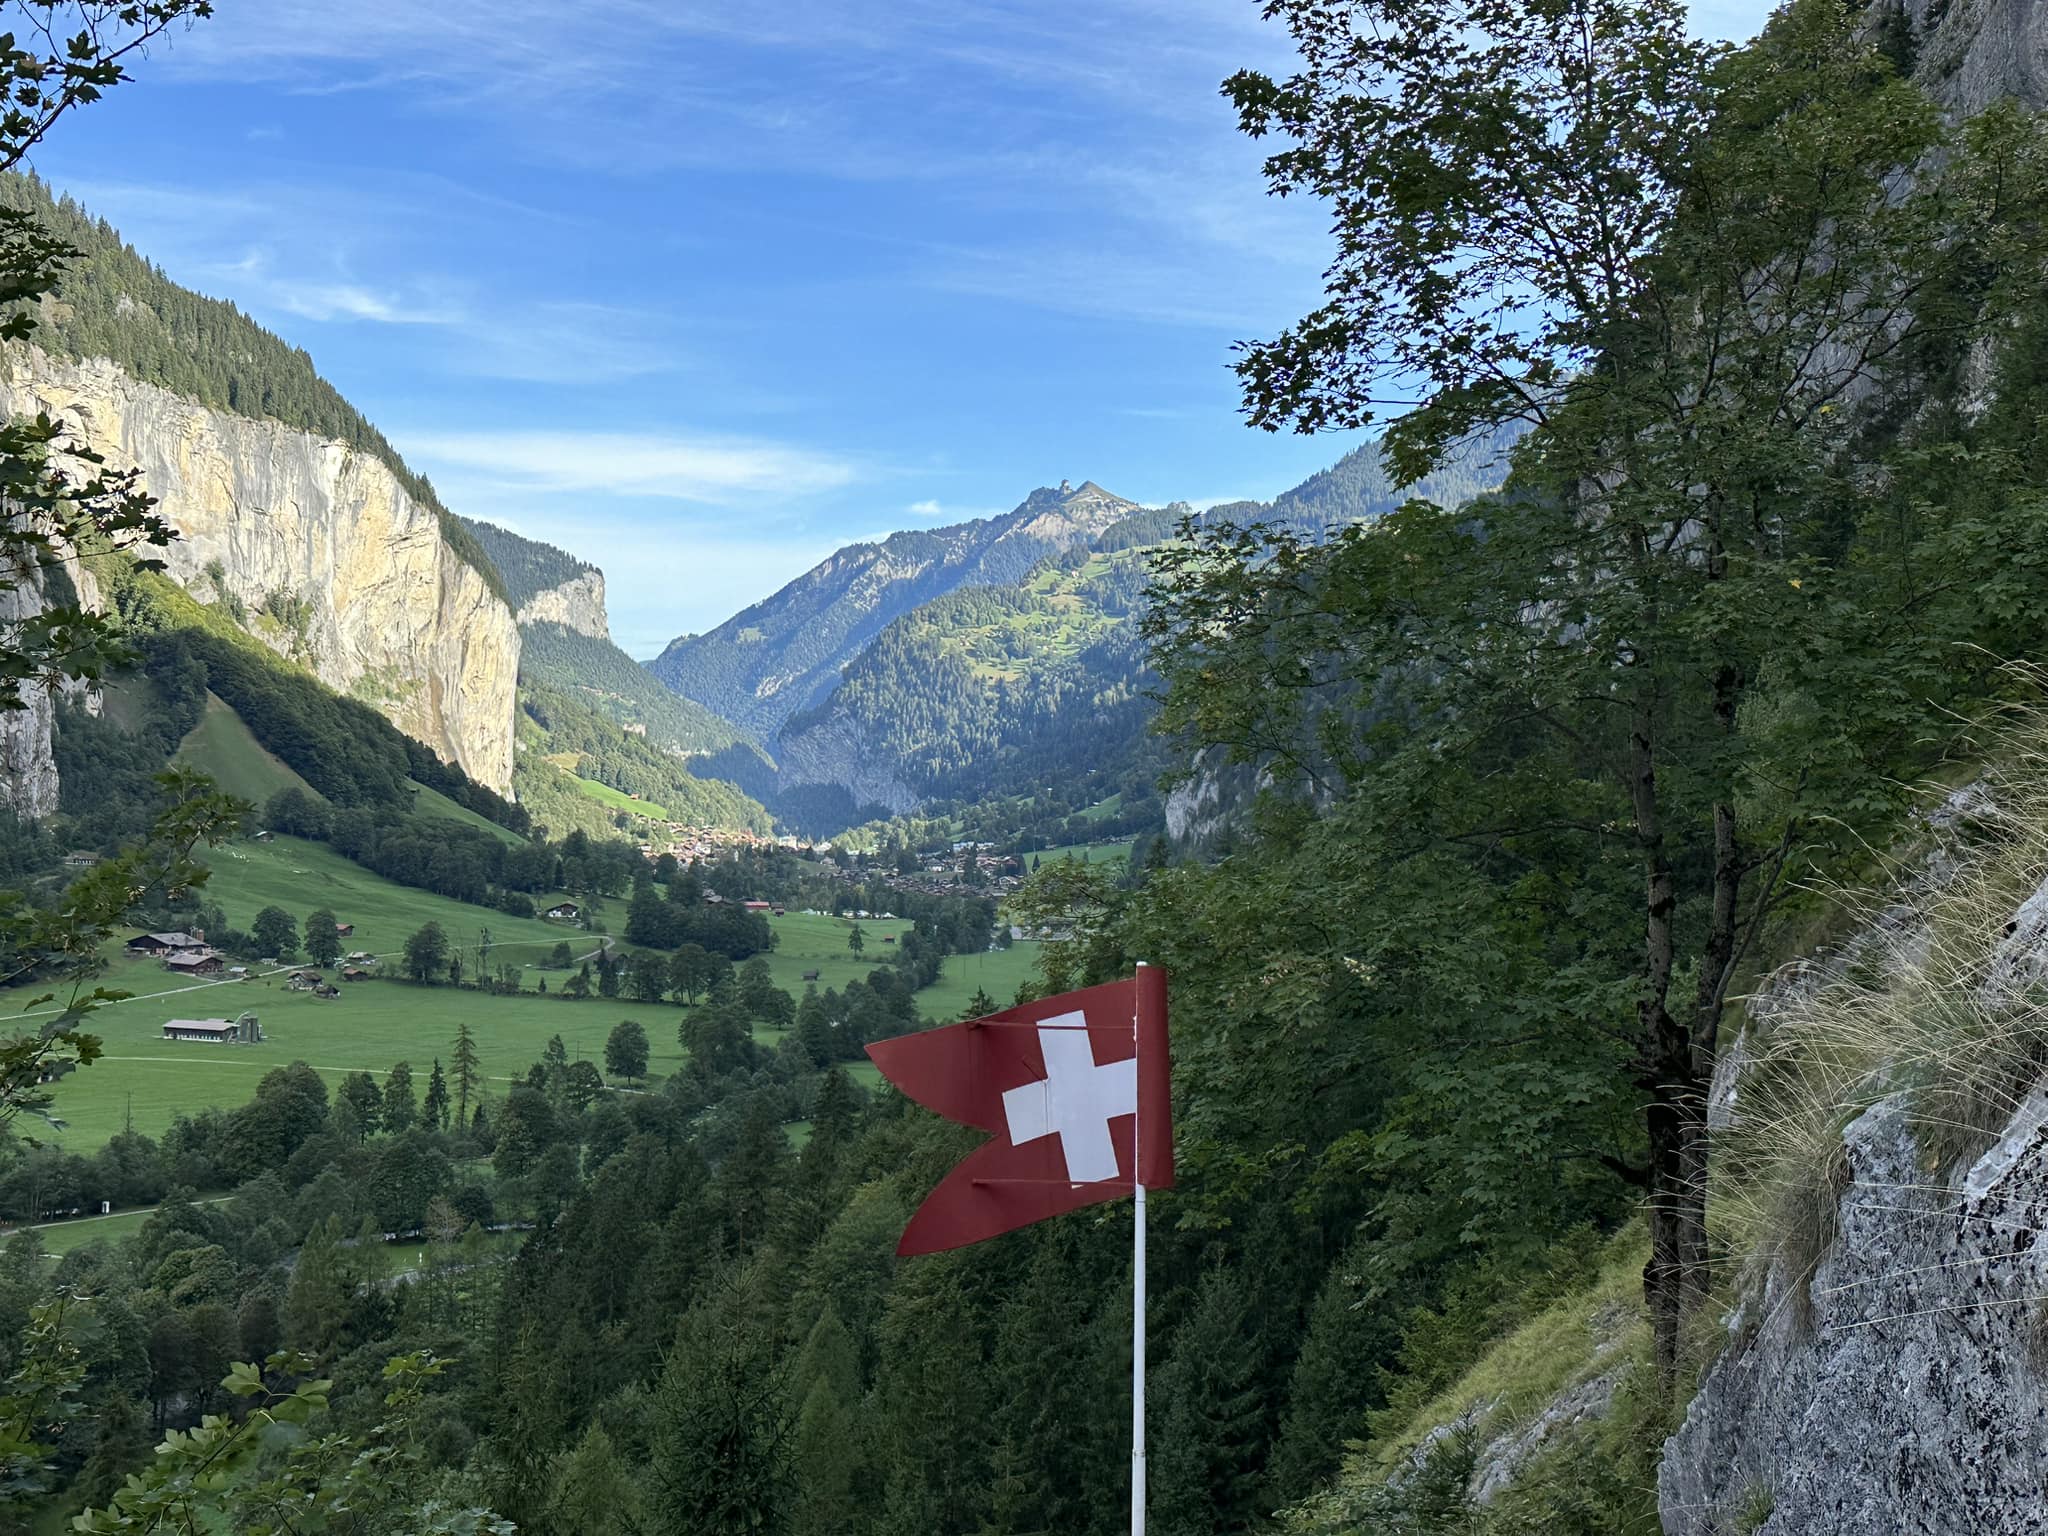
point(703, 289)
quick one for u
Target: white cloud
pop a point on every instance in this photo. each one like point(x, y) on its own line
point(347, 301)
point(706, 469)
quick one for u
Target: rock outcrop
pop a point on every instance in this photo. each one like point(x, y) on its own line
point(318, 542)
point(1901, 1389)
point(576, 604)
point(28, 764)
point(834, 752)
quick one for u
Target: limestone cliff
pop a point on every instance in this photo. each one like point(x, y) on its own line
point(330, 558)
point(576, 604)
point(28, 766)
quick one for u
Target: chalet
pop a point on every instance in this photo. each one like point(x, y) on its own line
point(195, 962)
point(888, 938)
point(810, 975)
point(239, 972)
point(361, 957)
point(564, 912)
point(757, 906)
point(262, 837)
point(354, 973)
point(345, 930)
point(326, 989)
point(81, 858)
point(212, 1031)
point(303, 981)
point(781, 911)
point(164, 943)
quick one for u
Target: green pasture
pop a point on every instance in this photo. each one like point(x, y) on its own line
point(431, 802)
point(302, 877)
point(997, 972)
point(225, 749)
point(1084, 853)
point(604, 794)
point(377, 1022)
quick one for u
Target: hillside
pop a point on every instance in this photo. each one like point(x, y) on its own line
point(784, 653)
point(596, 729)
point(1004, 681)
point(987, 691)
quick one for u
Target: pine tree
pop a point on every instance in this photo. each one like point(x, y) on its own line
point(434, 1109)
point(1208, 1433)
point(468, 1075)
point(721, 1423)
point(401, 1107)
point(825, 1450)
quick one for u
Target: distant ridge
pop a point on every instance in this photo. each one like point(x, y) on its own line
point(785, 653)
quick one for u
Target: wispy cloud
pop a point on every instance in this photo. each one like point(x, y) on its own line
point(932, 510)
point(709, 470)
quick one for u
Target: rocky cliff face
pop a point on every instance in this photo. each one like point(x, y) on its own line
point(1901, 1388)
point(577, 604)
point(332, 560)
point(28, 767)
point(834, 752)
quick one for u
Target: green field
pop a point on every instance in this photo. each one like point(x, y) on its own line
point(221, 746)
point(378, 1022)
point(1086, 853)
point(431, 802)
point(997, 972)
point(604, 794)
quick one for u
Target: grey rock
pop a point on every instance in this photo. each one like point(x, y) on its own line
point(1899, 1393)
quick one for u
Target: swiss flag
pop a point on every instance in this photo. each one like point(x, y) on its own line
point(1064, 1087)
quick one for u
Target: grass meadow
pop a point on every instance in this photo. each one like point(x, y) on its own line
point(144, 1080)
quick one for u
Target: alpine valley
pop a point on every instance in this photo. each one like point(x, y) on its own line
point(1571, 876)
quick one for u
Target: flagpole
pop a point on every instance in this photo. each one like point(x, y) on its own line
point(1137, 1300)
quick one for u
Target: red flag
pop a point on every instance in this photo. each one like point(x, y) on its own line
point(1074, 1091)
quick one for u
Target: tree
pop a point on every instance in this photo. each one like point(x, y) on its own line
point(1210, 1437)
point(401, 1105)
point(365, 1100)
point(323, 938)
point(756, 982)
point(980, 1005)
point(82, 511)
point(275, 933)
point(625, 1050)
point(693, 969)
point(426, 952)
point(408, 1175)
point(649, 974)
point(434, 1108)
point(857, 939)
point(824, 1446)
point(1637, 250)
point(721, 1422)
point(581, 1085)
point(469, 1077)
point(525, 1129)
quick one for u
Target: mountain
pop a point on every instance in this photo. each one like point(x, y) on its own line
point(566, 646)
point(987, 690)
point(784, 654)
point(1006, 677)
point(296, 517)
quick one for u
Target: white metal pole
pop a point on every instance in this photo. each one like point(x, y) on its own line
point(1137, 1305)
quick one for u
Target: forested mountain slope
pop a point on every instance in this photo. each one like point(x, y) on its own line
point(784, 653)
point(991, 687)
point(988, 690)
point(567, 646)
